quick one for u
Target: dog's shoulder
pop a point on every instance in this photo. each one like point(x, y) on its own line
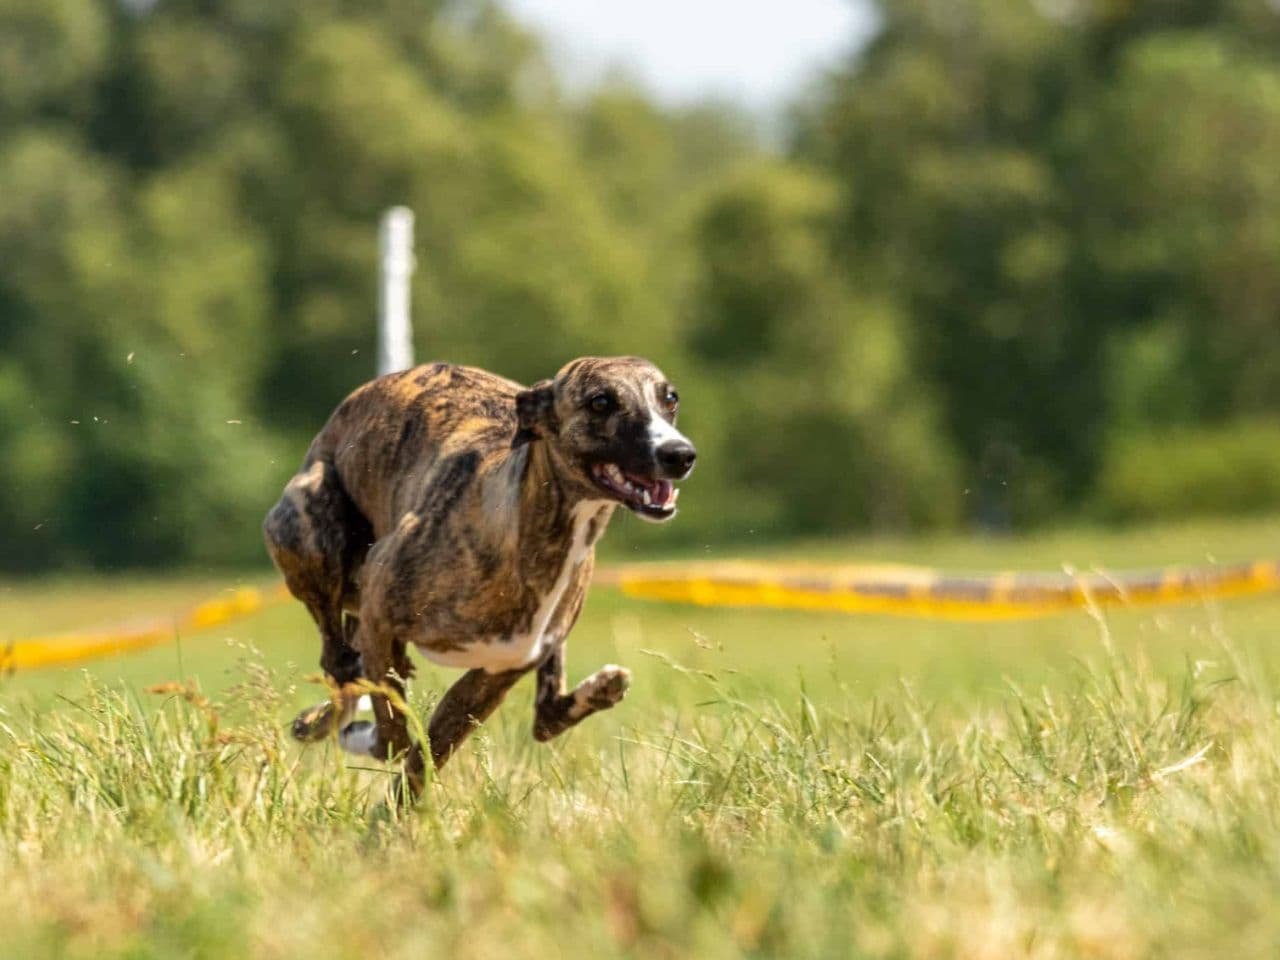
point(392, 432)
point(451, 394)
point(453, 379)
point(438, 399)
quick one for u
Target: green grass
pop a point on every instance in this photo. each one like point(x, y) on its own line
point(776, 784)
point(54, 605)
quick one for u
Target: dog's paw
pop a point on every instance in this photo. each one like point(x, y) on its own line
point(606, 687)
point(315, 723)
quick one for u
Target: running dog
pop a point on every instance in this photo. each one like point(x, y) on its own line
point(455, 511)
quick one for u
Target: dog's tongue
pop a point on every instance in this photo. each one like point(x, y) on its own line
point(662, 493)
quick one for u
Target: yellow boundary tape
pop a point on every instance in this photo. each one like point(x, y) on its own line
point(917, 592)
point(64, 648)
point(892, 591)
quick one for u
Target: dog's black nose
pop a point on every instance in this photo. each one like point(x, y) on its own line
point(676, 458)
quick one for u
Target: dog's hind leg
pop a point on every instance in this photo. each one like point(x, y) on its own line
point(318, 539)
point(555, 711)
point(324, 718)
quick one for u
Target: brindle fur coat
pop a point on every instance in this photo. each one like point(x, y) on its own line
point(454, 510)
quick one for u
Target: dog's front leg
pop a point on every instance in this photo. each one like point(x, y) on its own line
point(555, 711)
point(466, 705)
point(387, 737)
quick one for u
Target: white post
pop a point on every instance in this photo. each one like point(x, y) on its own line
point(395, 331)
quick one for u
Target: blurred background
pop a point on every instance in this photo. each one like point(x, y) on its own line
point(915, 265)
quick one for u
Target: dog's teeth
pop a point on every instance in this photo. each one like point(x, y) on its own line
point(675, 495)
point(645, 495)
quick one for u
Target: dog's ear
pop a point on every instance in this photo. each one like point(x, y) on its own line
point(534, 412)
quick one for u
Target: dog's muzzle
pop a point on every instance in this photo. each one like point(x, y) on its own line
point(675, 459)
point(652, 497)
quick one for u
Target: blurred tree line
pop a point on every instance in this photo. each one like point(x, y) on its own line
point(1017, 259)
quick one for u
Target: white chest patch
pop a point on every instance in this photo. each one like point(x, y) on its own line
point(498, 654)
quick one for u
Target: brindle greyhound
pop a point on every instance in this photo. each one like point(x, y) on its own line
point(454, 510)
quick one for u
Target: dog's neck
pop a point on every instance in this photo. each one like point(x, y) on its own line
point(534, 513)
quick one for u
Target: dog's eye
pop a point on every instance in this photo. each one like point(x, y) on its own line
point(671, 400)
point(600, 403)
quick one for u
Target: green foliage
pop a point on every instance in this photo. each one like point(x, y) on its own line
point(51, 52)
point(1034, 181)
point(1003, 233)
point(1192, 471)
point(1192, 235)
point(187, 246)
point(822, 427)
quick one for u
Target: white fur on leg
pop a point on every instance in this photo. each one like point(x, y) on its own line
point(358, 737)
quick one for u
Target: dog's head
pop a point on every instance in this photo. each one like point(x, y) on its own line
point(610, 424)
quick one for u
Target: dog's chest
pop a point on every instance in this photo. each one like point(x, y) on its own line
point(522, 648)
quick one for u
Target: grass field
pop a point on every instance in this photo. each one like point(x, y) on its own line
point(776, 784)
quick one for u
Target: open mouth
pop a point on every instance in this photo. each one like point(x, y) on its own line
point(652, 499)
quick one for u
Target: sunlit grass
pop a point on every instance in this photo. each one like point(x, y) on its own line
point(1120, 814)
point(776, 784)
point(53, 605)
